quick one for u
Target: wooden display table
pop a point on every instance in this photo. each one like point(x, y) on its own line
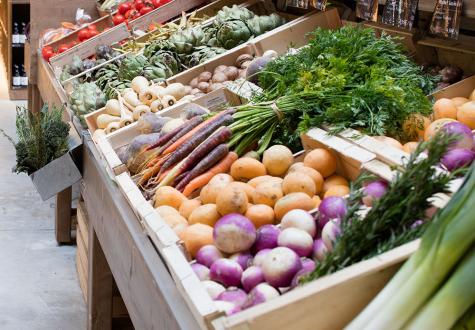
point(120, 250)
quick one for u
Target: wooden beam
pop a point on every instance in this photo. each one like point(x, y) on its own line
point(63, 216)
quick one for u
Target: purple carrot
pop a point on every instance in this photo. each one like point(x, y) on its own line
point(186, 148)
point(179, 178)
point(205, 164)
point(177, 133)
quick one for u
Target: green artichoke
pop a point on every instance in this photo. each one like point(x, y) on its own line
point(261, 24)
point(232, 33)
point(76, 65)
point(132, 66)
point(235, 12)
point(86, 98)
point(202, 54)
point(185, 40)
point(156, 46)
point(168, 59)
point(157, 73)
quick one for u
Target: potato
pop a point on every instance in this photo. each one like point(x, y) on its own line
point(248, 189)
point(317, 201)
point(277, 160)
point(315, 175)
point(196, 236)
point(334, 180)
point(267, 193)
point(245, 169)
point(321, 160)
point(206, 214)
point(264, 178)
point(298, 182)
point(231, 199)
point(292, 201)
point(337, 190)
point(209, 192)
point(260, 215)
point(166, 210)
point(295, 166)
point(168, 196)
point(174, 220)
point(188, 206)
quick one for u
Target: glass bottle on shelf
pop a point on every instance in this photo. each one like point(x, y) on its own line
point(15, 34)
point(24, 77)
point(16, 76)
point(22, 37)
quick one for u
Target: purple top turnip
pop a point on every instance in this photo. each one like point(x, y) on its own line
point(227, 272)
point(244, 259)
point(234, 295)
point(201, 271)
point(251, 277)
point(374, 191)
point(260, 294)
point(299, 219)
point(234, 233)
point(319, 250)
point(297, 240)
point(464, 133)
point(332, 207)
point(280, 266)
point(207, 255)
point(266, 238)
point(457, 158)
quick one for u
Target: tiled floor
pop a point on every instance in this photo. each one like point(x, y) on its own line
point(38, 282)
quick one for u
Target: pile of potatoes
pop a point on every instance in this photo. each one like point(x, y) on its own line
point(264, 191)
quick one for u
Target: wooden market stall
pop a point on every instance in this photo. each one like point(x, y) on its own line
point(120, 248)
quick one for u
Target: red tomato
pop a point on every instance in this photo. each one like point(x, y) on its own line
point(73, 43)
point(132, 14)
point(49, 54)
point(46, 49)
point(145, 10)
point(138, 4)
point(62, 48)
point(156, 3)
point(124, 7)
point(163, 2)
point(118, 18)
point(92, 27)
point(83, 34)
point(93, 33)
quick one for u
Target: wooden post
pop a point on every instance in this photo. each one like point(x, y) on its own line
point(34, 98)
point(99, 286)
point(63, 216)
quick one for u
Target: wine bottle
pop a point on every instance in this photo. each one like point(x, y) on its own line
point(22, 37)
point(24, 77)
point(15, 34)
point(16, 76)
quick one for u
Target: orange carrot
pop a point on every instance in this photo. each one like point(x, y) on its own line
point(222, 167)
point(188, 135)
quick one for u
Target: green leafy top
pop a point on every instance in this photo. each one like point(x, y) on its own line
point(42, 137)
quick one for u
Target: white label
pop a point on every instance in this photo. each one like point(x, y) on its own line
point(24, 81)
point(16, 81)
point(21, 38)
point(15, 38)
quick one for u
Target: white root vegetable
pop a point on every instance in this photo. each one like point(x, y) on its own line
point(105, 119)
point(139, 84)
point(148, 95)
point(126, 117)
point(176, 90)
point(168, 101)
point(171, 125)
point(139, 111)
point(156, 105)
point(113, 107)
point(114, 126)
point(187, 98)
point(132, 99)
point(159, 90)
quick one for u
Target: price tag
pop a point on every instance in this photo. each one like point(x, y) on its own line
point(446, 18)
point(367, 10)
point(400, 13)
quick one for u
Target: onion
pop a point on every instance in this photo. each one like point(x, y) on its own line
point(299, 219)
point(226, 271)
point(301, 273)
point(201, 271)
point(234, 233)
point(214, 289)
point(319, 250)
point(260, 257)
point(374, 191)
point(332, 207)
point(260, 294)
point(457, 158)
point(244, 259)
point(251, 277)
point(228, 307)
point(308, 263)
point(296, 239)
point(466, 137)
point(234, 295)
point(266, 238)
point(330, 232)
point(207, 255)
point(280, 266)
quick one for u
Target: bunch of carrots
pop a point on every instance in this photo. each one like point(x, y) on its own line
point(190, 155)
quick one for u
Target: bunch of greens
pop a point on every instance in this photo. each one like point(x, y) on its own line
point(390, 221)
point(361, 81)
point(42, 137)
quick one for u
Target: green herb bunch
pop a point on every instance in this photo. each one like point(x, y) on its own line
point(390, 221)
point(361, 81)
point(42, 137)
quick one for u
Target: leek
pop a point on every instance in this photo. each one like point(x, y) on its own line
point(467, 321)
point(451, 301)
point(449, 236)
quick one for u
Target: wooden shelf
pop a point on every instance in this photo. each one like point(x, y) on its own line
point(18, 93)
point(468, 8)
